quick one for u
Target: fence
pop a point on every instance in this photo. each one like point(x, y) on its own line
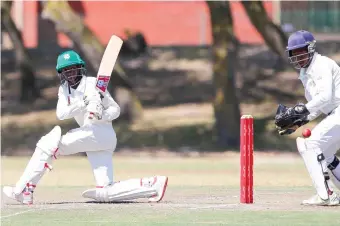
point(315, 16)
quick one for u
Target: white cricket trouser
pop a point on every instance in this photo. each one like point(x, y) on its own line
point(101, 163)
point(99, 143)
point(326, 136)
point(324, 139)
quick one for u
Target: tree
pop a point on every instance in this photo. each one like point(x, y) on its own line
point(29, 91)
point(272, 34)
point(226, 104)
point(71, 24)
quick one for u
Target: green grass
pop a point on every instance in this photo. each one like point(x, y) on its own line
point(201, 191)
point(147, 216)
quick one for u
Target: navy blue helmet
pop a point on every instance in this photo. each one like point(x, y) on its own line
point(301, 48)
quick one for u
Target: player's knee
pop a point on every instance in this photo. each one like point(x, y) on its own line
point(313, 144)
point(316, 146)
point(50, 142)
point(308, 145)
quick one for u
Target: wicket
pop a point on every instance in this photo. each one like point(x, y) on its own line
point(247, 158)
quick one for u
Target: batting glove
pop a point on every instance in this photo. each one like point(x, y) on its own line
point(93, 97)
point(95, 109)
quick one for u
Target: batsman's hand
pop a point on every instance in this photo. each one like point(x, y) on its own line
point(92, 97)
point(94, 107)
point(95, 110)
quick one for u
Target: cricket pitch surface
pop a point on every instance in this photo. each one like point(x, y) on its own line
point(201, 191)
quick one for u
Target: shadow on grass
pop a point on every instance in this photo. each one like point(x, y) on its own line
point(201, 138)
point(198, 138)
point(90, 202)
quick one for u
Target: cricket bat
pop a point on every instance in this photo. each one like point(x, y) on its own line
point(105, 69)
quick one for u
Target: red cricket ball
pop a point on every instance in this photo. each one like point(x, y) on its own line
point(306, 133)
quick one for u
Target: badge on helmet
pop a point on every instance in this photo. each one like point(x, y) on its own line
point(301, 48)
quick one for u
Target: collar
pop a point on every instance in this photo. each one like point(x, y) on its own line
point(80, 89)
point(82, 85)
point(307, 72)
point(311, 66)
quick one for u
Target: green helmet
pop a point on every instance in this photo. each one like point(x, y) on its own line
point(68, 58)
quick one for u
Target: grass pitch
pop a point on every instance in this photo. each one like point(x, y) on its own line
point(201, 191)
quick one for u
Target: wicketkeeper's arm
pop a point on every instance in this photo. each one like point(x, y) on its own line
point(313, 115)
point(325, 90)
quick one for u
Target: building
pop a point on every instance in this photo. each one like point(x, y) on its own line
point(170, 23)
point(163, 23)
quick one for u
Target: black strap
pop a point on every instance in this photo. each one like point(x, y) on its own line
point(334, 164)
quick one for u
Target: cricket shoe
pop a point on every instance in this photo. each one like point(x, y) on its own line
point(315, 200)
point(26, 197)
point(160, 184)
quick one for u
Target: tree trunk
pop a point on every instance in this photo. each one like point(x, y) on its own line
point(71, 24)
point(272, 34)
point(226, 104)
point(29, 91)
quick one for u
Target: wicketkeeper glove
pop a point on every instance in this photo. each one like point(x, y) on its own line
point(288, 120)
point(286, 131)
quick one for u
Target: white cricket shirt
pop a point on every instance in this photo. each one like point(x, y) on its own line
point(321, 81)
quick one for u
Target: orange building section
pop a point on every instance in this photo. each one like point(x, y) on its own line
point(163, 23)
point(30, 26)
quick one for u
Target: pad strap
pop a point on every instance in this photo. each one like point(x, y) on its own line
point(334, 164)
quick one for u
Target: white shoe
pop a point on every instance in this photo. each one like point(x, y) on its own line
point(160, 184)
point(333, 200)
point(25, 197)
point(333, 182)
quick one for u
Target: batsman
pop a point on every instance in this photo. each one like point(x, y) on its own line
point(76, 97)
point(320, 77)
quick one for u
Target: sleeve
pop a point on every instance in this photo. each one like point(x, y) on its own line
point(111, 109)
point(65, 111)
point(313, 115)
point(324, 87)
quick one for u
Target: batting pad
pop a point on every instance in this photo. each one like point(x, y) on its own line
point(40, 159)
point(122, 191)
point(316, 168)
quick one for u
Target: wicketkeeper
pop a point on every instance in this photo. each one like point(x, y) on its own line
point(320, 77)
point(77, 96)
